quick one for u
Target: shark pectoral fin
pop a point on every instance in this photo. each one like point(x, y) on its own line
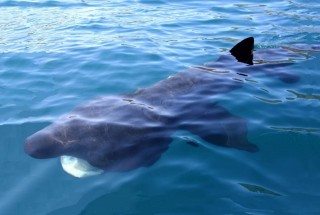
point(236, 131)
point(226, 138)
point(153, 150)
point(243, 51)
point(219, 127)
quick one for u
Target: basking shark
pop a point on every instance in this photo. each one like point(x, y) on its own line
point(127, 131)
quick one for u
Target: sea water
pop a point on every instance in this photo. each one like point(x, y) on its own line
point(55, 55)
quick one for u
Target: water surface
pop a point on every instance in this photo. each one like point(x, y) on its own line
point(58, 54)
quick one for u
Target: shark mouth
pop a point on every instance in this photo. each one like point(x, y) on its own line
point(78, 167)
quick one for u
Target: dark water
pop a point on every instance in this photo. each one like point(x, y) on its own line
point(58, 54)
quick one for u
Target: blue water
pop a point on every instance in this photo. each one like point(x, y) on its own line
point(55, 55)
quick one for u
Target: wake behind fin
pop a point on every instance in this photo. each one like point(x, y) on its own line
point(243, 51)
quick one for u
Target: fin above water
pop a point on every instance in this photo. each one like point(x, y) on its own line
point(243, 51)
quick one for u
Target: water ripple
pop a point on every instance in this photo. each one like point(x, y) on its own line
point(51, 3)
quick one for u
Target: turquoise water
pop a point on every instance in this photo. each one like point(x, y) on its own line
point(58, 54)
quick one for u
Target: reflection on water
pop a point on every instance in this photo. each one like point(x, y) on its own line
point(304, 96)
point(258, 189)
point(308, 130)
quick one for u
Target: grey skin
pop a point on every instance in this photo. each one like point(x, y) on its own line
point(128, 131)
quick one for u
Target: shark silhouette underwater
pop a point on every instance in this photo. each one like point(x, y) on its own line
point(128, 131)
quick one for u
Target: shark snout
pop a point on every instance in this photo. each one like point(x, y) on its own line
point(41, 145)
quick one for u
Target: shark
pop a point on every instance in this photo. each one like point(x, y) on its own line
point(123, 132)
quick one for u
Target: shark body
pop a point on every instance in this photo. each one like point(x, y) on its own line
point(128, 131)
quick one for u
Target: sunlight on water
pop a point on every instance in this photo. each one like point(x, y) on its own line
point(22, 188)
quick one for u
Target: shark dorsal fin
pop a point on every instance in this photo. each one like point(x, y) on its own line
point(243, 51)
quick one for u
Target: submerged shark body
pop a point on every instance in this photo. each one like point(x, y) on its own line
point(127, 131)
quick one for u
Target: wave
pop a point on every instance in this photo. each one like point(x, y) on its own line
point(79, 3)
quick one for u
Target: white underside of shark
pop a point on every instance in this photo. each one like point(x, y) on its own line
point(78, 167)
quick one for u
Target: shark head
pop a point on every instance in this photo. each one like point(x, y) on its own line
point(56, 140)
point(44, 145)
point(60, 140)
point(115, 136)
point(72, 135)
point(74, 140)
